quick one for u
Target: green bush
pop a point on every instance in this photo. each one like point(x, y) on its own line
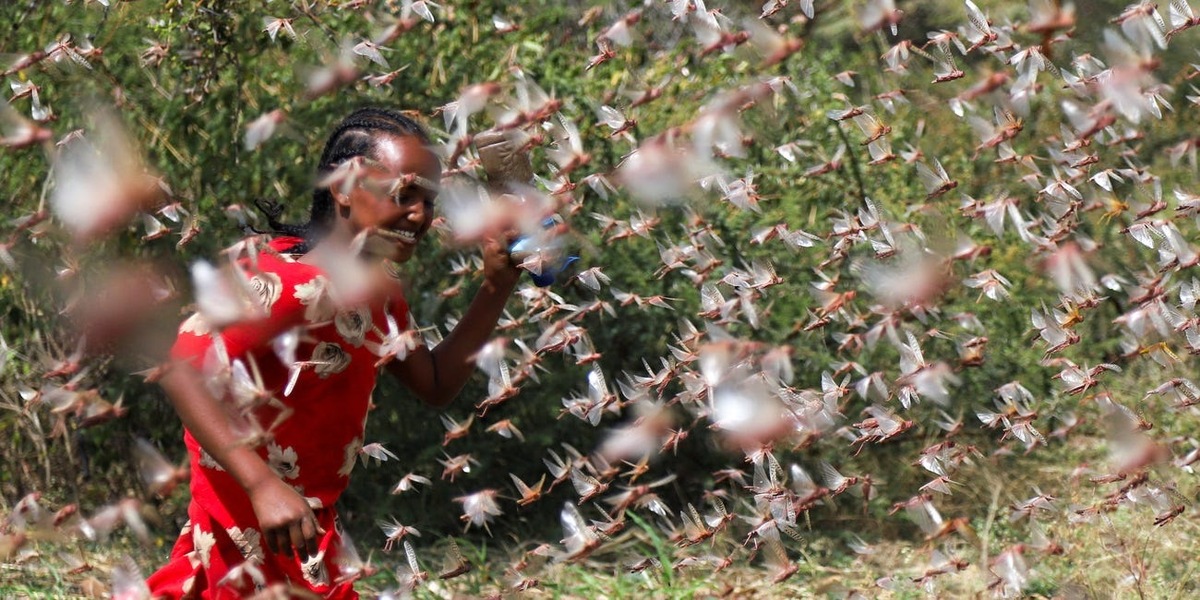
point(188, 112)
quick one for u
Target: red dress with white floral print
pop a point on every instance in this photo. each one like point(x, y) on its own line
point(310, 435)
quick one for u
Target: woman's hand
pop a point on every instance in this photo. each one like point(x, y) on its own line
point(286, 519)
point(499, 269)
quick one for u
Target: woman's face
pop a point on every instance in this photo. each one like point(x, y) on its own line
point(395, 199)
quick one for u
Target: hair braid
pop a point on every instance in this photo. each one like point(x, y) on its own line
point(356, 135)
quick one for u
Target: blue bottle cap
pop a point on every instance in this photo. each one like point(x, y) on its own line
point(547, 276)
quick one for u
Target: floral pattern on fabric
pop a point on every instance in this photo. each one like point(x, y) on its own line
point(349, 456)
point(314, 295)
point(204, 542)
point(222, 554)
point(330, 359)
point(248, 541)
point(268, 287)
point(207, 461)
point(283, 461)
point(315, 571)
point(353, 325)
point(195, 325)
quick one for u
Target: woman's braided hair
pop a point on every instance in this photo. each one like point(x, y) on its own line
point(356, 135)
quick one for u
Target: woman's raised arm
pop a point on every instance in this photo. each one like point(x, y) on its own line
point(436, 376)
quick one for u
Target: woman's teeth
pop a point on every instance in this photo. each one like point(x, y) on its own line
point(404, 236)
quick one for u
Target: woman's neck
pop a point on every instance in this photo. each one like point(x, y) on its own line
point(339, 242)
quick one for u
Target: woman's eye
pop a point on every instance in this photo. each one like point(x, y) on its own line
point(410, 196)
point(404, 197)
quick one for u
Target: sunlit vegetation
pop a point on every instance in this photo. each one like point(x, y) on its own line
point(873, 297)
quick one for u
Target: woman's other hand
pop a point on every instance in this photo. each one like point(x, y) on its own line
point(499, 269)
point(286, 519)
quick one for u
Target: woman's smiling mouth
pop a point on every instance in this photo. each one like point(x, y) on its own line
point(409, 237)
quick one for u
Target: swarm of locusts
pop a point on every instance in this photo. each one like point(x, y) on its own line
point(1098, 197)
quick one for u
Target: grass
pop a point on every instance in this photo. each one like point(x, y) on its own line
point(1094, 568)
point(1111, 554)
point(1116, 554)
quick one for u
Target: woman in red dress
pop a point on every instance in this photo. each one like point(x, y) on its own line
point(275, 406)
